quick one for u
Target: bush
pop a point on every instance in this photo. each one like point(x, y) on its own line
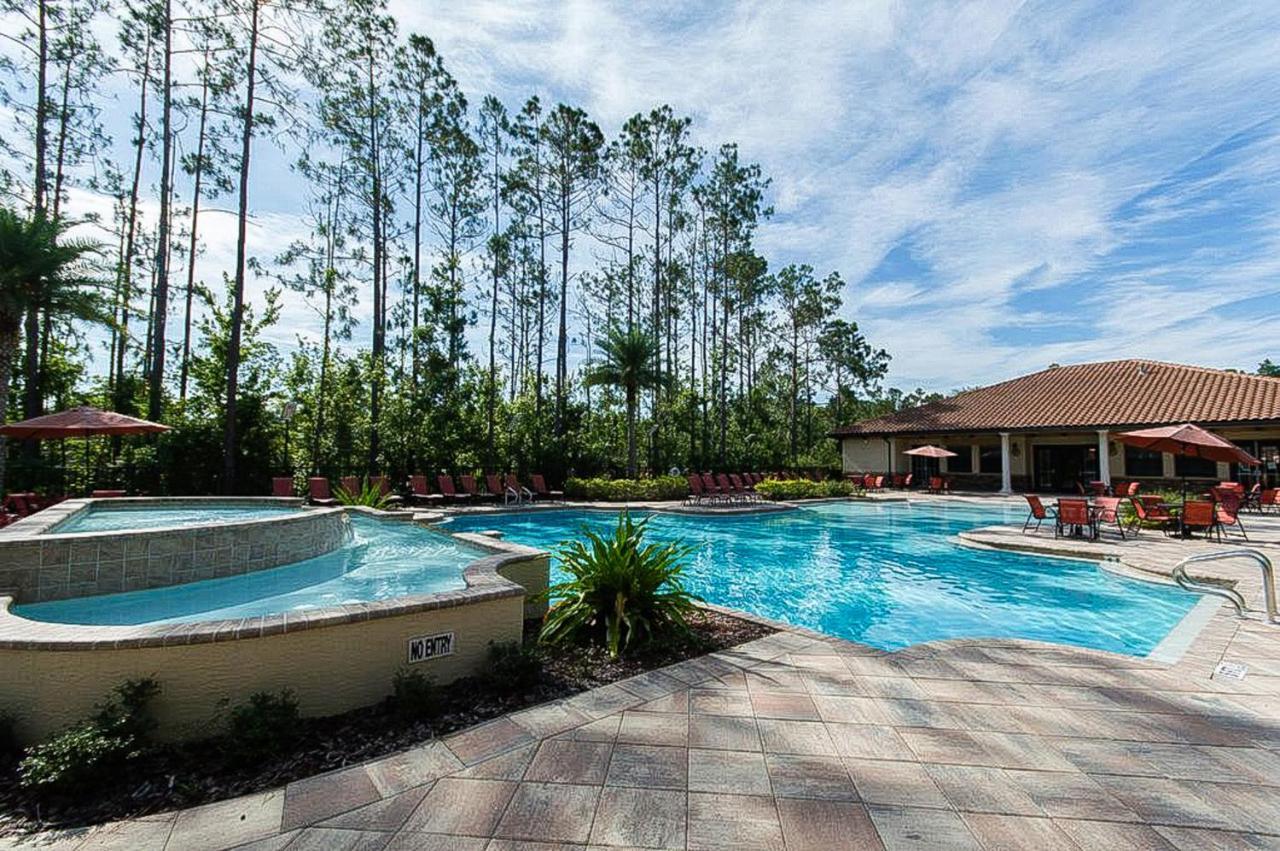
point(789, 489)
point(87, 754)
point(265, 726)
point(627, 490)
point(513, 667)
point(621, 590)
point(369, 495)
point(414, 695)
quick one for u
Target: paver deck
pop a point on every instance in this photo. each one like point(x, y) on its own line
point(801, 741)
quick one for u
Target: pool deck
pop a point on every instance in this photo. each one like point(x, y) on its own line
point(802, 741)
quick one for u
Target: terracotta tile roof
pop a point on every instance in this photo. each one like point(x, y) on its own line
point(1094, 395)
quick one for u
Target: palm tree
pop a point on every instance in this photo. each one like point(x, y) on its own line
point(630, 362)
point(40, 271)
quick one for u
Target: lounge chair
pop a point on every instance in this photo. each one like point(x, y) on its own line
point(471, 489)
point(1227, 514)
point(1198, 515)
point(696, 494)
point(282, 486)
point(107, 493)
point(384, 489)
point(740, 488)
point(540, 488)
point(524, 493)
point(493, 482)
point(445, 483)
point(1074, 517)
point(1037, 512)
point(318, 491)
point(350, 484)
point(1107, 513)
point(420, 492)
point(712, 490)
point(908, 480)
point(1150, 510)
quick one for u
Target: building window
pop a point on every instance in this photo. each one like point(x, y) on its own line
point(963, 462)
point(989, 459)
point(1143, 462)
point(1188, 466)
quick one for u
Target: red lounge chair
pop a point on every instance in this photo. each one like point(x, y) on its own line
point(498, 490)
point(1037, 512)
point(108, 494)
point(19, 504)
point(523, 494)
point(541, 489)
point(742, 490)
point(419, 492)
point(1227, 515)
point(445, 483)
point(1134, 487)
point(1074, 517)
point(726, 488)
point(282, 486)
point(384, 489)
point(696, 493)
point(318, 491)
point(712, 489)
point(472, 490)
point(350, 484)
point(1107, 512)
point(1198, 515)
point(879, 483)
point(1150, 509)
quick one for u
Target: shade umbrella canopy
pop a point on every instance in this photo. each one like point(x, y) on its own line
point(930, 452)
point(84, 421)
point(1187, 439)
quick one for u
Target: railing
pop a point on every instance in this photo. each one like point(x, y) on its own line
point(1230, 594)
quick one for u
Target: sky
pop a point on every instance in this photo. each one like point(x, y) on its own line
point(1003, 185)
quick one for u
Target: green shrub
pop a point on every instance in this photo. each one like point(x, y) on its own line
point(265, 726)
point(369, 495)
point(88, 753)
point(513, 667)
point(627, 490)
point(621, 590)
point(789, 489)
point(414, 695)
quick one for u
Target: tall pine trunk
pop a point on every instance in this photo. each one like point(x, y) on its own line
point(160, 310)
point(185, 369)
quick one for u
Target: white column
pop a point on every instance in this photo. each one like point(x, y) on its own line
point(1006, 466)
point(1104, 458)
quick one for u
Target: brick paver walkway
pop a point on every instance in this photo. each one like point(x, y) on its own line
point(799, 741)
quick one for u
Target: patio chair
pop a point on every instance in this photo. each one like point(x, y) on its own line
point(282, 486)
point(1107, 513)
point(1120, 489)
point(1227, 514)
point(107, 493)
point(472, 490)
point(898, 480)
point(1198, 515)
point(420, 492)
point(318, 491)
point(493, 482)
point(1150, 510)
point(696, 493)
point(727, 488)
point(740, 487)
point(540, 488)
point(1098, 488)
point(1269, 500)
point(1253, 498)
point(1037, 512)
point(448, 492)
point(1074, 516)
point(935, 484)
point(19, 503)
point(909, 481)
point(513, 484)
point(1133, 489)
point(384, 489)
point(712, 490)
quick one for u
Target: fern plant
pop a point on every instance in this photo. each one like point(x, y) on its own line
point(368, 495)
point(621, 590)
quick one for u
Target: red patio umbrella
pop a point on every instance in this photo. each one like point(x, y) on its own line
point(1190, 440)
point(83, 421)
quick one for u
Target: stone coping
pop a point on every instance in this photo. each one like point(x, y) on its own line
point(38, 525)
point(482, 577)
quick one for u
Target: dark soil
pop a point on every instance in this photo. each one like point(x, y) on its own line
point(183, 775)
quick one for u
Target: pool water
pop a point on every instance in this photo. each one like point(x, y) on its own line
point(119, 518)
point(889, 575)
point(383, 560)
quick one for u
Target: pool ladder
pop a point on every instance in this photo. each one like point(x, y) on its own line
point(1233, 596)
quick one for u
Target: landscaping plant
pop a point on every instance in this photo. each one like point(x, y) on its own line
point(787, 489)
point(265, 726)
point(627, 490)
point(622, 590)
point(369, 495)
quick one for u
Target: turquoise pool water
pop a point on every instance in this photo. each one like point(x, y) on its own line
point(383, 560)
point(888, 575)
point(118, 518)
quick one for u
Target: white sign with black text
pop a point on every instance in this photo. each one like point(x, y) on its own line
point(424, 647)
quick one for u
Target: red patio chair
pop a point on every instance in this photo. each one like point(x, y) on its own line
point(541, 489)
point(1120, 489)
point(1227, 514)
point(1150, 509)
point(1198, 515)
point(1074, 514)
point(909, 481)
point(282, 486)
point(740, 488)
point(1252, 498)
point(420, 492)
point(318, 491)
point(450, 494)
point(1270, 500)
point(523, 494)
point(1107, 512)
point(935, 484)
point(384, 488)
point(1098, 488)
point(726, 487)
point(472, 490)
point(108, 493)
point(1037, 512)
point(1134, 487)
point(493, 482)
point(696, 492)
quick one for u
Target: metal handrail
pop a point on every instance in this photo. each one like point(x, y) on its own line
point(1179, 575)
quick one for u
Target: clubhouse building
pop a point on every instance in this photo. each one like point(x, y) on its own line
point(1051, 429)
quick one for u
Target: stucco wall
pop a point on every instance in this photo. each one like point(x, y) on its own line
point(864, 456)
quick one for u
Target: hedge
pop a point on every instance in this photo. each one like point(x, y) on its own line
point(627, 490)
point(789, 489)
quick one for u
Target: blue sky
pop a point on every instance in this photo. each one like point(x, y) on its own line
point(1003, 184)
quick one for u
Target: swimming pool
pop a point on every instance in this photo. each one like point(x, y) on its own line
point(889, 575)
point(382, 560)
point(100, 517)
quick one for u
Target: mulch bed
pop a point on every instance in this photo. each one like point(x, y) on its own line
point(184, 775)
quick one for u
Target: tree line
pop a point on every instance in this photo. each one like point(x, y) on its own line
point(540, 293)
